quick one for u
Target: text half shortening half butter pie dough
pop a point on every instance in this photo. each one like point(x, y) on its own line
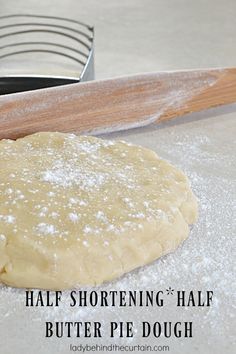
point(78, 210)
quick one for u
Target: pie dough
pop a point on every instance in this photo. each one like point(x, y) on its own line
point(77, 210)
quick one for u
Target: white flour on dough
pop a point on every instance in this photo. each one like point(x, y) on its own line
point(81, 210)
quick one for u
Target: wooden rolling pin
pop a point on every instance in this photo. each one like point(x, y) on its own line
point(116, 104)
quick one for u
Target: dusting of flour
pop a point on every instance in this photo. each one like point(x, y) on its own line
point(204, 262)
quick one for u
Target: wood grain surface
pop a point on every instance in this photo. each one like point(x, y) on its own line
point(115, 104)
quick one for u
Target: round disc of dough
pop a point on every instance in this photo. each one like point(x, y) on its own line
point(78, 210)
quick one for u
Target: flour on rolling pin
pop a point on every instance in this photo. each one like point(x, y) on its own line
point(116, 104)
